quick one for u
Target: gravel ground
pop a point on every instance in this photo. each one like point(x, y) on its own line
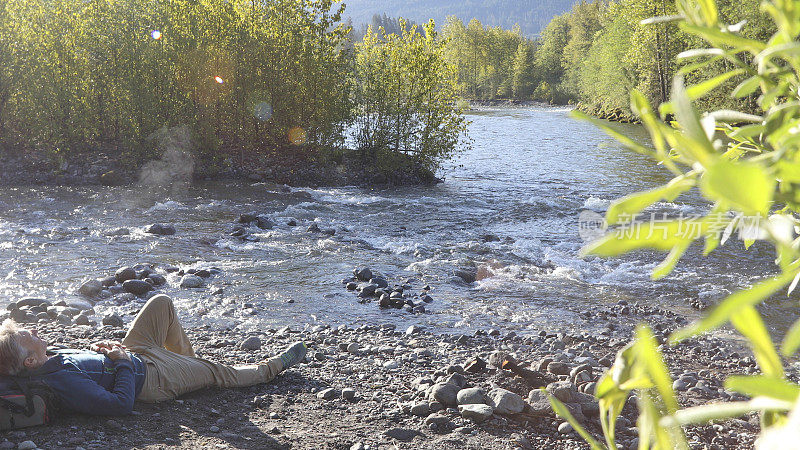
point(389, 374)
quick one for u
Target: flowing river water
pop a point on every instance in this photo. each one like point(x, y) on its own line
point(509, 205)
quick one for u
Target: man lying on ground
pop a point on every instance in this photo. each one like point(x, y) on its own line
point(155, 362)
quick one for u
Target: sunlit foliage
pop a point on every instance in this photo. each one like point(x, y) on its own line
point(751, 181)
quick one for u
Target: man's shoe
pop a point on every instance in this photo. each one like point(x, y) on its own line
point(293, 355)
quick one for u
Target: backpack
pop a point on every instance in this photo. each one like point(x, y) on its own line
point(24, 402)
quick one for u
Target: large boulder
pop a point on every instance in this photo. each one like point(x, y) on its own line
point(91, 288)
point(191, 281)
point(506, 402)
point(471, 396)
point(476, 413)
point(539, 403)
point(160, 229)
point(363, 273)
point(124, 274)
point(444, 393)
point(137, 287)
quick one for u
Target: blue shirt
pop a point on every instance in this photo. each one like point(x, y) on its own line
point(88, 382)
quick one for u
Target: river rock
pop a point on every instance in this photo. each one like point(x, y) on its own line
point(91, 288)
point(348, 394)
point(246, 218)
point(33, 301)
point(380, 282)
point(137, 287)
point(264, 222)
point(476, 413)
point(113, 320)
point(327, 394)
point(402, 434)
point(368, 290)
point(156, 279)
point(467, 275)
point(363, 273)
point(26, 445)
point(421, 409)
point(471, 396)
point(565, 428)
point(558, 368)
point(81, 319)
point(191, 281)
point(79, 304)
point(539, 403)
point(160, 229)
point(506, 402)
point(124, 274)
point(437, 419)
point(477, 365)
point(563, 390)
point(251, 343)
point(444, 393)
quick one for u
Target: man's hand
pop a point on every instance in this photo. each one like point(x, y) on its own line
point(118, 352)
point(100, 345)
point(113, 349)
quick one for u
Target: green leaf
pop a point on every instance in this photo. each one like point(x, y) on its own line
point(745, 186)
point(729, 116)
point(721, 38)
point(696, 142)
point(562, 411)
point(627, 207)
point(747, 87)
point(733, 304)
point(697, 52)
point(717, 411)
point(762, 385)
point(647, 352)
point(749, 323)
point(698, 90)
point(654, 235)
point(661, 19)
point(791, 342)
point(665, 267)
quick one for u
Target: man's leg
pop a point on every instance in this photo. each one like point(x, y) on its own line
point(176, 374)
point(157, 326)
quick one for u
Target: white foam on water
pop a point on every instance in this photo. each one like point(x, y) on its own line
point(6, 245)
point(346, 197)
point(169, 205)
point(596, 204)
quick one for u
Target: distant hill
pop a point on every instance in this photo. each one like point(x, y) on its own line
point(532, 16)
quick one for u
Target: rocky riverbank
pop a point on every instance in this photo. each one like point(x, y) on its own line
point(379, 387)
point(105, 167)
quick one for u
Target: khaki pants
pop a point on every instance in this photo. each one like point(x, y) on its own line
point(172, 368)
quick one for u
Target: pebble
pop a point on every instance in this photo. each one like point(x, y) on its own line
point(327, 394)
point(402, 434)
point(251, 343)
point(565, 428)
point(26, 445)
point(471, 396)
point(348, 394)
point(506, 402)
point(421, 409)
point(353, 348)
point(191, 281)
point(476, 413)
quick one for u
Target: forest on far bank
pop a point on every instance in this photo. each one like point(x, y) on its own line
point(595, 55)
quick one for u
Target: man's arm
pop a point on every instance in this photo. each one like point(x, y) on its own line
point(78, 392)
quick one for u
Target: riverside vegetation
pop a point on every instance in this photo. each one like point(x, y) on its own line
point(750, 181)
point(242, 82)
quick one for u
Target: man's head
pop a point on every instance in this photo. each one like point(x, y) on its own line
point(20, 349)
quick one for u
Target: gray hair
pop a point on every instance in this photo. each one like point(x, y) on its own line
point(12, 353)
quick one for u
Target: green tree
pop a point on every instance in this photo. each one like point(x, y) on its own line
point(522, 71)
point(405, 93)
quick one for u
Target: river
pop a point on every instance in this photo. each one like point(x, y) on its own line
point(510, 204)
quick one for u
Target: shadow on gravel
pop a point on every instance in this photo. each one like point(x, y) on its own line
point(202, 419)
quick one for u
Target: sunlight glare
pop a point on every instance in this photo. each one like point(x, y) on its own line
point(155, 34)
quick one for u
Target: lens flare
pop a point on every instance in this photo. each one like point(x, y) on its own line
point(297, 136)
point(155, 34)
point(219, 80)
point(262, 111)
